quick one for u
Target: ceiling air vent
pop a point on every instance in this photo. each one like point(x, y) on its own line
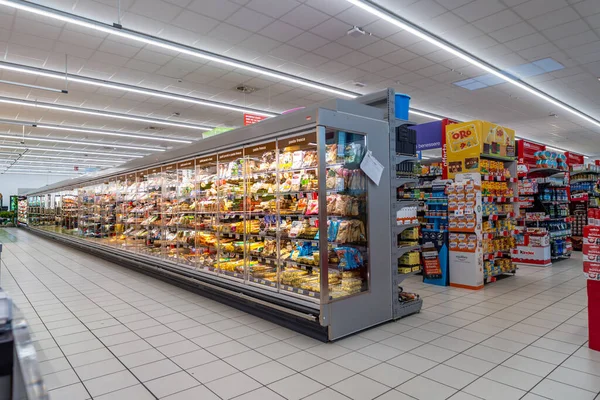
point(245, 89)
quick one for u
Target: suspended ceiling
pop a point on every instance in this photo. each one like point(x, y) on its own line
point(302, 38)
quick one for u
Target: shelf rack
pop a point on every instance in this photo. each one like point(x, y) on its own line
point(401, 309)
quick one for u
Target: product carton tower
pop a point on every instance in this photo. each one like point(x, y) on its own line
point(591, 269)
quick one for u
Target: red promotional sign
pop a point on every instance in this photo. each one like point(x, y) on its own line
point(250, 119)
point(574, 158)
point(444, 149)
point(526, 151)
point(597, 162)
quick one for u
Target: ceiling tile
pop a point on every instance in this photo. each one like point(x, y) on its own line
point(444, 22)
point(280, 31)
point(478, 9)
point(587, 7)
point(217, 9)
point(249, 20)
point(403, 39)
point(534, 8)
point(392, 72)
point(312, 60)
point(452, 4)
point(357, 42)
point(332, 29)
point(332, 50)
point(400, 56)
point(375, 65)
point(333, 67)
point(156, 9)
point(140, 23)
point(577, 40)
point(331, 7)
point(273, 9)
point(512, 32)
point(356, 16)
point(355, 58)
point(379, 48)
point(259, 44)
point(229, 33)
point(416, 64)
point(497, 21)
point(286, 52)
point(381, 28)
point(422, 11)
point(120, 49)
point(304, 17)
point(308, 41)
point(142, 66)
point(565, 30)
point(195, 22)
point(554, 18)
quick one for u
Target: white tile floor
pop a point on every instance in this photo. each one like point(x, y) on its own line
point(105, 332)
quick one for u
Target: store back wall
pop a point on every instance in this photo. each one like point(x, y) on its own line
point(11, 183)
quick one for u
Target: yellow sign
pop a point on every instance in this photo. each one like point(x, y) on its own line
point(466, 141)
point(498, 140)
point(463, 148)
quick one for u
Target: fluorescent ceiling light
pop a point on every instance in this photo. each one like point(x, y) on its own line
point(168, 45)
point(80, 142)
point(78, 151)
point(394, 19)
point(34, 86)
point(129, 88)
point(51, 106)
point(41, 173)
point(424, 114)
point(71, 163)
point(131, 135)
point(111, 133)
point(42, 167)
point(83, 159)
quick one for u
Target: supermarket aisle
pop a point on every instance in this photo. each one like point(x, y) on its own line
point(105, 332)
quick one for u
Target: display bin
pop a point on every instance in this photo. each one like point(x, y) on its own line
point(275, 218)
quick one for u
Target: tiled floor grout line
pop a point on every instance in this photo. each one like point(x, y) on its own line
point(207, 349)
point(469, 324)
point(480, 343)
point(439, 315)
point(61, 350)
point(106, 347)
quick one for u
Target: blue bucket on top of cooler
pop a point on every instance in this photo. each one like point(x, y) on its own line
point(402, 105)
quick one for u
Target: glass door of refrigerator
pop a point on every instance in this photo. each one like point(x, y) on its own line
point(143, 202)
point(260, 233)
point(297, 199)
point(170, 212)
point(207, 208)
point(185, 202)
point(120, 183)
point(230, 223)
point(130, 211)
point(151, 213)
point(347, 235)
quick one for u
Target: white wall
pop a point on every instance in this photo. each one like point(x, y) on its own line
point(10, 183)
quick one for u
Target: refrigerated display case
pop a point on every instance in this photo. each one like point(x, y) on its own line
point(277, 218)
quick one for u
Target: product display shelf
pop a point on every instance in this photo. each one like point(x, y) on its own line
point(500, 204)
point(406, 258)
point(274, 218)
point(22, 210)
point(548, 209)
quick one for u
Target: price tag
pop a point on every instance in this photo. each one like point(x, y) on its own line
point(468, 210)
point(311, 294)
point(290, 289)
point(459, 212)
point(263, 282)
